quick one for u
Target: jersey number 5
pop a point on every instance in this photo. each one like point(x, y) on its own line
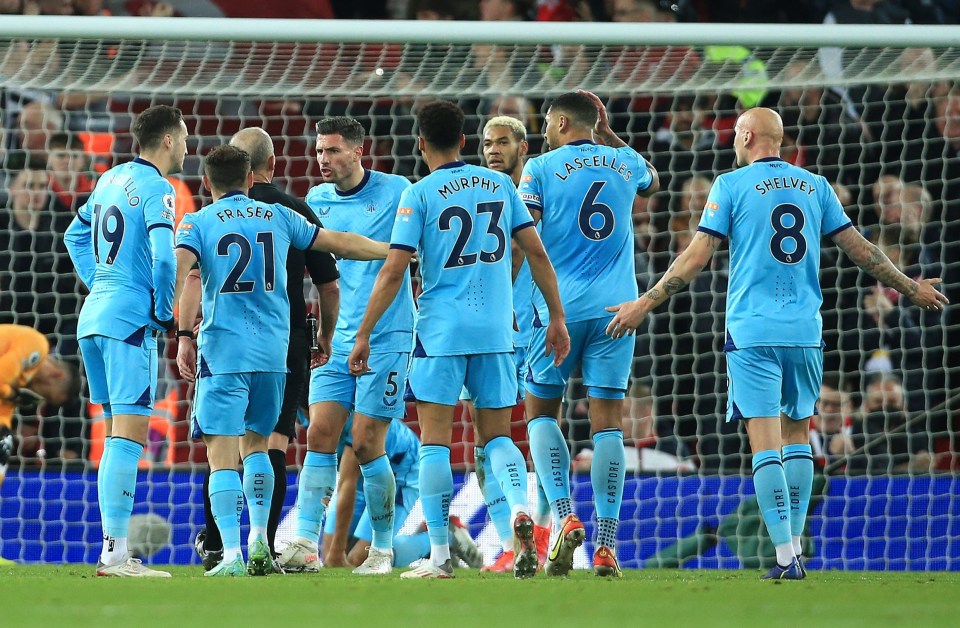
point(232, 284)
point(783, 233)
point(457, 257)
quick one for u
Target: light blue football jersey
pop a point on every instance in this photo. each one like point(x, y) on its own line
point(242, 246)
point(585, 192)
point(128, 202)
point(402, 448)
point(369, 210)
point(774, 214)
point(460, 219)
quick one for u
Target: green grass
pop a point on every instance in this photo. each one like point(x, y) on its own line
point(71, 596)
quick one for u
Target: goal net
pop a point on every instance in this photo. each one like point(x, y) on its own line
point(876, 113)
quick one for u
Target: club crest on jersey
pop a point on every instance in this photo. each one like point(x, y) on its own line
point(371, 209)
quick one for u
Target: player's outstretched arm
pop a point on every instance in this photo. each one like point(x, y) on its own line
point(189, 308)
point(78, 241)
point(350, 245)
point(629, 315)
point(385, 289)
point(872, 260)
point(347, 480)
point(558, 340)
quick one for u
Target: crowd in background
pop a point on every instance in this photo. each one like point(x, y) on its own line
point(891, 152)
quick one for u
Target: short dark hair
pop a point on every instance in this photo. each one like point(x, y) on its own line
point(441, 124)
point(577, 107)
point(227, 167)
point(348, 128)
point(154, 123)
point(62, 139)
point(832, 380)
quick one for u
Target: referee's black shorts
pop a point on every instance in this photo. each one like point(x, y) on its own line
point(298, 363)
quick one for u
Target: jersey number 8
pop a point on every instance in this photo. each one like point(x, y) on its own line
point(782, 233)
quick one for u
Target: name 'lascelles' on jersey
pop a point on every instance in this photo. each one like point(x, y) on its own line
point(242, 247)
point(460, 219)
point(585, 194)
point(128, 202)
point(369, 210)
point(775, 215)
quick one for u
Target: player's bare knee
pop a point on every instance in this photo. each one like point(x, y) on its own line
point(251, 442)
point(131, 427)
point(322, 436)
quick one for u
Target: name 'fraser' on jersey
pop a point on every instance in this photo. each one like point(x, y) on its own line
point(775, 215)
point(460, 218)
point(370, 210)
point(242, 246)
point(585, 192)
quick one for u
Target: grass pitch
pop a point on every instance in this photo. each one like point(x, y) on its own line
point(71, 596)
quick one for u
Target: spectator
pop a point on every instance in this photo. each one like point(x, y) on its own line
point(682, 146)
point(37, 123)
point(829, 431)
point(895, 117)
point(68, 166)
point(840, 64)
point(505, 10)
point(39, 288)
point(884, 442)
point(826, 141)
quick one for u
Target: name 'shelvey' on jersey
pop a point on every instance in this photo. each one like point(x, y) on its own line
point(784, 183)
point(463, 183)
point(596, 161)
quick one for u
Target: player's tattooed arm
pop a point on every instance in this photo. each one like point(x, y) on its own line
point(683, 269)
point(629, 315)
point(872, 260)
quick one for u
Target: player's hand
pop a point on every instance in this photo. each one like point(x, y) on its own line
point(324, 350)
point(24, 398)
point(6, 445)
point(558, 341)
point(336, 559)
point(928, 297)
point(359, 360)
point(187, 359)
point(602, 131)
point(628, 316)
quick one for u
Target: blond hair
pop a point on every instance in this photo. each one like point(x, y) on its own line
point(516, 127)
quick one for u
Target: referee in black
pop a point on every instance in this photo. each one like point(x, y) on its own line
point(323, 272)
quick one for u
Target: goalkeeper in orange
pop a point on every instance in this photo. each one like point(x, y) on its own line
point(28, 377)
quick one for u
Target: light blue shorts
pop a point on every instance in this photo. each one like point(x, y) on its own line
point(360, 526)
point(490, 377)
point(235, 403)
point(605, 362)
point(377, 394)
point(122, 373)
point(520, 361)
point(768, 381)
